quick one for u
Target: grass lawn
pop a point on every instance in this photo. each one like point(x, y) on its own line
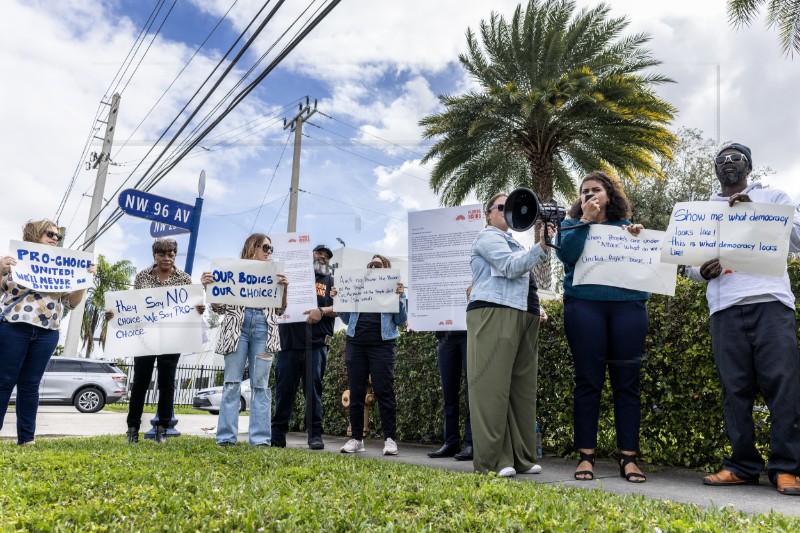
point(152, 408)
point(190, 484)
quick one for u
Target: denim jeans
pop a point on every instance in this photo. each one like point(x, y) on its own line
point(251, 351)
point(25, 350)
point(290, 372)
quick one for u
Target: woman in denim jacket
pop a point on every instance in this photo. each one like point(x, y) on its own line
point(370, 351)
point(502, 348)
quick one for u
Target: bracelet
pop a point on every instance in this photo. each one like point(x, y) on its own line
point(321, 311)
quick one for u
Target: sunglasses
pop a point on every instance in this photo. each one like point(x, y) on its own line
point(54, 235)
point(500, 207)
point(735, 158)
point(267, 248)
point(375, 264)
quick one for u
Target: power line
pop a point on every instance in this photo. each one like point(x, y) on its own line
point(271, 180)
point(372, 135)
point(352, 205)
point(278, 214)
point(149, 45)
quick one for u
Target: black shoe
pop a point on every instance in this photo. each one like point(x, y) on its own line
point(464, 455)
point(315, 443)
point(161, 435)
point(448, 450)
point(133, 435)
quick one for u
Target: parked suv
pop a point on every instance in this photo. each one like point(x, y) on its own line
point(88, 384)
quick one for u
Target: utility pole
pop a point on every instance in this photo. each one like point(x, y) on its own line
point(296, 125)
point(76, 315)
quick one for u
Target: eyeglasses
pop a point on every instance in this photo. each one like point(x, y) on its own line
point(170, 255)
point(54, 235)
point(375, 264)
point(500, 207)
point(735, 158)
point(267, 248)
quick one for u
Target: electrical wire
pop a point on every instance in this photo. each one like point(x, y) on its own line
point(371, 134)
point(149, 45)
point(271, 180)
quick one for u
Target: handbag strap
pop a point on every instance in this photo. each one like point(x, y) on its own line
point(15, 302)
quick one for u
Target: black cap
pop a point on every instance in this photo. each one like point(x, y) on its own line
point(323, 248)
point(739, 148)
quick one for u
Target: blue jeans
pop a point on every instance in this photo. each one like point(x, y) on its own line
point(24, 352)
point(251, 351)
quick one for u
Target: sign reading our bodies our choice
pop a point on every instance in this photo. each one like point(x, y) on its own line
point(245, 282)
point(155, 321)
point(364, 290)
point(612, 256)
point(748, 237)
point(50, 269)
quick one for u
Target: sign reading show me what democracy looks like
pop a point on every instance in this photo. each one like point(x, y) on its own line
point(367, 290)
point(155, 321)
point(245, 282)
point(46, 268)
point(748, 237)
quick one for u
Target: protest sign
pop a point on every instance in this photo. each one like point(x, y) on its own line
point(364, 290)
point(439, 247)
point(46, 268)
point(294, 250)
point(612, 256)
point(154, 321)
point(748, 237)
point(245, 282)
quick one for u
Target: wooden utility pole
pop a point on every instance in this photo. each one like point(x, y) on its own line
point(296, 124)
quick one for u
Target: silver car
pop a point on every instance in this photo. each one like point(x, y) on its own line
point(210, 399)
point(88, 384)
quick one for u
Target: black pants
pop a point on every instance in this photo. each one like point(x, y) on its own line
point(601, 334)
point(142, 374)
point(755, 348)
point(376, 360)
point(290, 373)
point(452, 355)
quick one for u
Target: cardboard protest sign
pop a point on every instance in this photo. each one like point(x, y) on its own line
point(154, 321)
point(612, 256)
point(748, 237)
point(46, 268)
point(294, 250)
point(245, 282)
point(364, 290)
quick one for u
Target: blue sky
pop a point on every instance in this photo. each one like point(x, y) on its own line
point(375, 68)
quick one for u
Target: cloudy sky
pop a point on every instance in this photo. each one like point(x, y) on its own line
point(375, 69)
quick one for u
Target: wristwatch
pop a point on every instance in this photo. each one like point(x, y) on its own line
point(321, 311)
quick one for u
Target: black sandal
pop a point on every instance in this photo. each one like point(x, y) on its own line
point(589, 458)
point(624, 461)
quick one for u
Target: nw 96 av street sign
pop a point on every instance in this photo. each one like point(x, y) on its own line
point(145, 205)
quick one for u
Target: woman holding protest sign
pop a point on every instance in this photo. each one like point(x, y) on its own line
point(605, 326)
point(29, 323)
point(248, 338)
point(370, 350)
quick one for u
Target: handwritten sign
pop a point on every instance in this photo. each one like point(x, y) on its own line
point(46, 268)
point(366, 290)
point(155, 321)
point(294, 251)
point(748, 237)
point(245, 282)
point(614, 257)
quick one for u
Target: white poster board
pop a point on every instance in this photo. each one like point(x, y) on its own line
point(439, 245)
point(294, 250)
point(364, 290)
point(155, 321)
point(46, 268)
point(245, 282)
point(612, 256)
point(748, 237)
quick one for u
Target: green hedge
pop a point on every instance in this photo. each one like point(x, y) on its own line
point(681, 397)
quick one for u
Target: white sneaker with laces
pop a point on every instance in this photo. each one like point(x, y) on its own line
point(353, 446)
point(535, 469)
point(390, 447)
point(507, 472)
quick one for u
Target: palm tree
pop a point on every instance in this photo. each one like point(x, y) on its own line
point(783, 14)
point(116, 277)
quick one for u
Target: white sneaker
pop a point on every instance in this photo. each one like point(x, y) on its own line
point(535, 469)
point(390, 447)
point(353, 446)
point(507, 472)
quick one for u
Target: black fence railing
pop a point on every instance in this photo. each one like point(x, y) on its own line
point(188, 380)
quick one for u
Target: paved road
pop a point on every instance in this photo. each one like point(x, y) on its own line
point(675, 484)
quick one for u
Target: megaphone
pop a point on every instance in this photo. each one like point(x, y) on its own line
point(523, 209)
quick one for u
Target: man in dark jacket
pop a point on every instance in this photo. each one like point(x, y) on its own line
point(304, 353)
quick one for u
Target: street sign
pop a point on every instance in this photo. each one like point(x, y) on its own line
point(159, 229)
point(165, 210)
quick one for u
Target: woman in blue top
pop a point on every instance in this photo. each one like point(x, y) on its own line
point(605, 326)
point(370, 351)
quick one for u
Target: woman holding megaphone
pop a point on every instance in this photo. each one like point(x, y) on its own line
point(605, 326)
point(502, 347)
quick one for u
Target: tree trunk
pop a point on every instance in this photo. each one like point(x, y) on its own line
point(542, 185)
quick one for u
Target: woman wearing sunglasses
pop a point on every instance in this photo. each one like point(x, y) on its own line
point(249, 339)
point(370, 350)
point(29, 323)
point(502, 347)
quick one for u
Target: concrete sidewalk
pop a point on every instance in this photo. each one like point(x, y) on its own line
point(664, 483)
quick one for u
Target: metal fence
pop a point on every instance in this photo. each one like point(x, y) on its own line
point(188, 381)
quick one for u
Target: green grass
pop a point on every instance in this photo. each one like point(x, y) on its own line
point(190, 484)
point(152, 408)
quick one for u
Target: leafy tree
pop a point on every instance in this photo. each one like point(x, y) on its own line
point(561, 91)
point(116, 277)
point(781, 14)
